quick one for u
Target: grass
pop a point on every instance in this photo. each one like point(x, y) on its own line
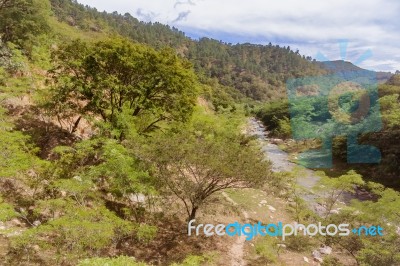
point(67, 32)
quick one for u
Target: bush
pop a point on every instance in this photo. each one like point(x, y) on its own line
point(299, 243)
point(196, 260)
point(267, 249)
point(331, 261)
point(6, 211)
point(119, 261)
point(79, 233)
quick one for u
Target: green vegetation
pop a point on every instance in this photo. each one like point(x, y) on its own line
point(112, 78)
point(314, 120)
point(119, 261)
point(205, 158)
point(23, 20)
point(117, 114)
point(256, 71)
point(114, 132)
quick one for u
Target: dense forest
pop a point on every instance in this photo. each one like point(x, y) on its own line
point(114, 133)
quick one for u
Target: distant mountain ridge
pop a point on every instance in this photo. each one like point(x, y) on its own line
point(343, 66)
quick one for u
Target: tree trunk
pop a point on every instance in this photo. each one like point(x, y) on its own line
point(76, 124)
point(192, 215)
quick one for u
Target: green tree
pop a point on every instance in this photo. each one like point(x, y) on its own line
point(195, 164)
point(334, 188)
point(108, 77)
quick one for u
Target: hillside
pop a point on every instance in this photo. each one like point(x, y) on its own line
point(256, 71)
point(118, 138)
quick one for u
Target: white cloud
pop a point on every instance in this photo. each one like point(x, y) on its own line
point(311, 25)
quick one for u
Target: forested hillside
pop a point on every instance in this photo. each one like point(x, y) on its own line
point(115, 133)
point(257, 71)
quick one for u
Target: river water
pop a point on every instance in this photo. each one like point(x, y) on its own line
point(306, 178)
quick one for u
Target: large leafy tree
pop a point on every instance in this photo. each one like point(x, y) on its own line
point(115, 77)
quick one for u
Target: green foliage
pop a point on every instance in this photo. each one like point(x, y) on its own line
point(118, 261)
point(334, 188)
point(11, 59)
point(16, 154)
point(22, 20)
point(145, 233)
point(297, 206)
point(366, 250)
point(101, 163)
point(81, 231)
point(121, 170)
point(275, 116)
point(344, 183)
point(255, 71)
point(86, 189)
point(390, 105)
point(197, 260)
point(299, 243)
point(197, 161)
point(73, 161)
point(7, 211)
point(267, 249)
point(384, 252)
point(113, 75)
point(284, 129)
point(331, 261)
point(384, 209)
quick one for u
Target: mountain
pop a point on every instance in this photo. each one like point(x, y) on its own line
point(343, 66)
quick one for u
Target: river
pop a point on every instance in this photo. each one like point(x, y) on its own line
point(306, 179)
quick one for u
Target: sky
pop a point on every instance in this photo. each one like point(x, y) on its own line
point(365, 32)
